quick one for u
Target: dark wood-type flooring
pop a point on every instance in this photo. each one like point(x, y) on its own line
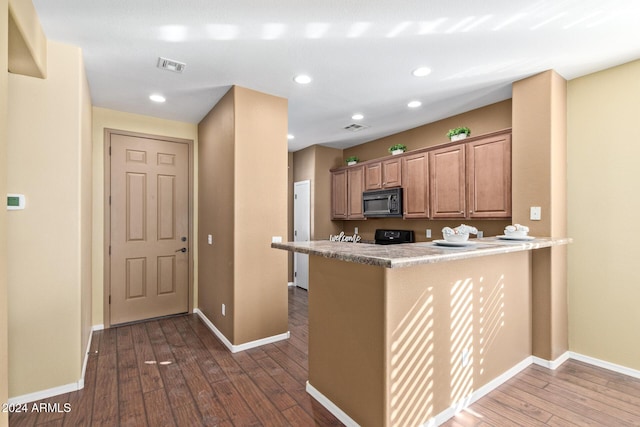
point(129, 383)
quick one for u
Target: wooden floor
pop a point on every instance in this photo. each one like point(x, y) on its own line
point(129, 383)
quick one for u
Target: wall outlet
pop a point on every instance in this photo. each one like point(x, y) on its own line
point(224, 311)
point(428, 233)
point(480, 234)
point(276, 239)
point(210, 239)
point(355, 230)
point(535, 213)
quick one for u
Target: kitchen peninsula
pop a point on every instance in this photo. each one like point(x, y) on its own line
point(399, 335)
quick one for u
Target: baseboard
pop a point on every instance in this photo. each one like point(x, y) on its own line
point(242, 347)
point(289, 284)
point(55, 391)
point(552, 364)
point(44, 394)
point(445, 415)
point(330, 406)
point(605, 365)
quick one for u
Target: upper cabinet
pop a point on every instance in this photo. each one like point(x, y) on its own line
point(347, 186)
point(415, 171)
point(383, 174)
point(355, 187)
point(447, 182)
point(489, 177)
point(339, 194)
point(468, 179)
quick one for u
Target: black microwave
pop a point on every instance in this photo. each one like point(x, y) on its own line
point(385, 203)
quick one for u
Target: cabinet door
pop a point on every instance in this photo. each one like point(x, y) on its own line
point(339, 194)
point(447, 182)
point(415, 176)
point(373, 176)
point(355, 187)
point(391, 173)
point(489, 177)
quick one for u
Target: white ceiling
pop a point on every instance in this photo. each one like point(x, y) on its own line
point(360, 54)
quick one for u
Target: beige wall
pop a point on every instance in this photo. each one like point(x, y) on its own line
point(407, 367)
point(260, 181)
point(603, 184)
point(217, 186)
point(313, 164)
point(539, 178)
point(4, 327)
point(243, 203)
point(47, 273)
point(28, 44)
point(482, 120)
point(110, 119)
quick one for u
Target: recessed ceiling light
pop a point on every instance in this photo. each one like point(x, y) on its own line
point(290, 136)
point(302, 79)
point(414, 104)
point(357, 116)
point(157, 98)
point(421, 72)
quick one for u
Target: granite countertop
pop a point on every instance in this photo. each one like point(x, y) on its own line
point(409, 254)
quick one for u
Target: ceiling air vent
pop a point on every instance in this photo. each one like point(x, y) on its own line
point(354, 127)
point(171, 65)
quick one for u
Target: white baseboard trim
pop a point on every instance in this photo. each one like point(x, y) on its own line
point(242, 347)
point(445, 415)
point(55, 391)
point(330, 406)
point(606, 365)
point(97, 328)
point(44, 394)
point(552, 364)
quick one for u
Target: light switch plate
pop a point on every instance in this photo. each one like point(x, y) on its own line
point(536, 213)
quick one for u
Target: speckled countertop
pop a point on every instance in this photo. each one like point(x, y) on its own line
point(409, 254)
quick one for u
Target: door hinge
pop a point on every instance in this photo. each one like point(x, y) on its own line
point(109, 200)
point(295, 274)
point(109, 150)
point(109, 299)
point(109, 250)
point(295, 196)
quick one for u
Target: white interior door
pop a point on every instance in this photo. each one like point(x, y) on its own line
point(301, 230)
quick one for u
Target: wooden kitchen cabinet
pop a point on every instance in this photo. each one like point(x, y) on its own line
point(470, 179)
point(415, 178)
point(355, 187)
point(339, 194)
point(447, 182)
point(384, 174)
point(347, 186)
point(489, 177)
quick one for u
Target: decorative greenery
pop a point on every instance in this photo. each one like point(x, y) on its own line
point(352, 159)
point(458, 131)
point(398, 147)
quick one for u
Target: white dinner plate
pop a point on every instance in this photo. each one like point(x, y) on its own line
point(503, 237)
point(453, 244)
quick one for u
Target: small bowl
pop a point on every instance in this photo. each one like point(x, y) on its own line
point(457, 238)
point(517, 233)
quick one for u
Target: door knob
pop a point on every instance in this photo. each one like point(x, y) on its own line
point(183, 250)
